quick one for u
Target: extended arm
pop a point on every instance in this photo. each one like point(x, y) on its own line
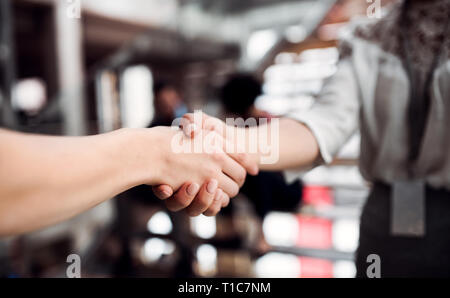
point(45, 180)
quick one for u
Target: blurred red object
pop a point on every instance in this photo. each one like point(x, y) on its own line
point(315, 268)
point(317, 195)
point(314, 232)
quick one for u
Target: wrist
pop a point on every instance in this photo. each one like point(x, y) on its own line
point(139, 157)
point(253, 145)
point(247, 140)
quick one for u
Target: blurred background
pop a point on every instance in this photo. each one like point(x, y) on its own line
point(70, 67)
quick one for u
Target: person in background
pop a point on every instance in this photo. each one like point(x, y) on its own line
point(392, 83)
point(168, 104)
point(238, 97)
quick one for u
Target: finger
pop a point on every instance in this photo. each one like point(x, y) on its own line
point(225, 200)
point(204, 198)
point(228, 185)
point(189, 117)
point(183, 197)
point(205, 122)
point(213, 124)
point(239, 155)
point(190, 129)
point(233, 170)
point(246, 161)
point(162, 192)
point(216, 204)
point(192, 123)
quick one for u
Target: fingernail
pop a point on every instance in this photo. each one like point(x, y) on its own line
point(162, 194)
point(192, 189)
point(212, 186)
point(165, 194)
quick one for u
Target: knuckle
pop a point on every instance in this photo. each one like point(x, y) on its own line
point(218, 157)
point(210, 172)
point(241, 158)
point(189, 117)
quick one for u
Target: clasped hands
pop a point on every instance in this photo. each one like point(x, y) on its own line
point(212, 172)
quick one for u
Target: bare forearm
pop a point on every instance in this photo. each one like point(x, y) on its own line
point(298, 146)
point(290, 145)
point(44, 180)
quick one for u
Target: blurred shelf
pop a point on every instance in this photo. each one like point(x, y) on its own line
point(327, 254)
point(333, 212)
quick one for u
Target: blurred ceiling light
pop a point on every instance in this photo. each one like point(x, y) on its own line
point(295, 34)
point(30, 95)
point(137, 97)
point(207, 259)
point(280, 228)
point(155, 248)
point(277, 265)
point(344, 269)
point(204, 227)
point(260, 42)
point(345, 234)
point(160, 223)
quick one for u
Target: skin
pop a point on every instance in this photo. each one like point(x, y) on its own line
point(45, 180)
point(297, 145)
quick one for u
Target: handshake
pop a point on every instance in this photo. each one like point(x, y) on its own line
point(202, 164)
point(196, 165)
